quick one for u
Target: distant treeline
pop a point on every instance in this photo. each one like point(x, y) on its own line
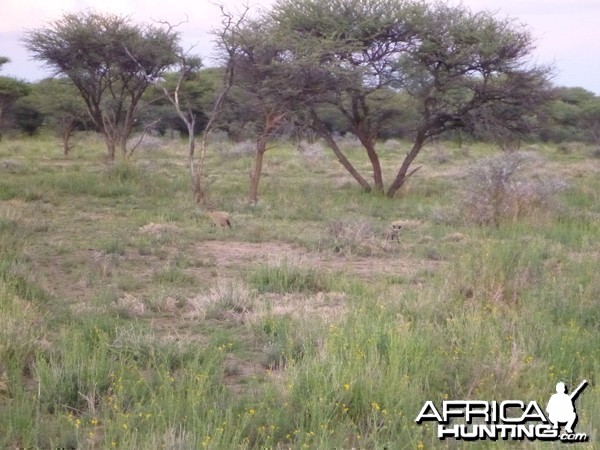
point(54, 105)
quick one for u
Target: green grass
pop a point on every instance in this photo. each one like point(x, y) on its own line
point(285, 276)
point(127, 321)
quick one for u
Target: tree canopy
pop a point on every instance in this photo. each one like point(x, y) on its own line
point(11, 90)
point(110, 60)
point(459, 70)
point(372, 68)
point(64, 109)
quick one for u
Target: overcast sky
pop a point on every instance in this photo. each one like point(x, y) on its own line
point(567, 32)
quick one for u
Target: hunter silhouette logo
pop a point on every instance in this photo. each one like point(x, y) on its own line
point(472, 420)
point(561, 408)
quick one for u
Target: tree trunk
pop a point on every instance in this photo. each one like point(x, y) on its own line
point(460, 138)
point(111, 147)
point(67, 128)
point(67, 132)
point(345, 162)
point(111, 136)
point(122, 138)
point(375, 163)
point(195, 169)
point(272, 122)
point(261, 147)
point(322, 131)
point(403, 173)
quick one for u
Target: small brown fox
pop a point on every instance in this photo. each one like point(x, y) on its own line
point(219, 219)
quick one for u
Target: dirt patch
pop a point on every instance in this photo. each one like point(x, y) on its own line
point(79, 275)
point(231, 255)
point(226, 254)
point(369, 268)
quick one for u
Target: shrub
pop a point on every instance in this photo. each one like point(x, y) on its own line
point(497, 189)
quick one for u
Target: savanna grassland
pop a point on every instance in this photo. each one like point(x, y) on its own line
point(128, 321)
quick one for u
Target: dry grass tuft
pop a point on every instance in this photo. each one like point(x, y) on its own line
point(227, 300)
point(130, 306)
point(157, 229)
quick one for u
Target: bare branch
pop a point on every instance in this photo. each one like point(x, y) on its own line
point(146, 128)
point(227, 34)
point(171, 27)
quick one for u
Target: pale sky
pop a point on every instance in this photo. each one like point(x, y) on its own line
point(567, 32)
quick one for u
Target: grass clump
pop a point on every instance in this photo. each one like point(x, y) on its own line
point(114, 246)
point(21, 331)
point(500, 272)
point(287, 275)
point(171, 274)
point(227, 300)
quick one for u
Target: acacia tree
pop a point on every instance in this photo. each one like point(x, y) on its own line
point(456, 67)
point(341, 54)
point(469, 71)
point(261, 87)
point(59, 100)
point(111, 61)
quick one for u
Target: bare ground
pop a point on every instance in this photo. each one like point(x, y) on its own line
point(230, 255)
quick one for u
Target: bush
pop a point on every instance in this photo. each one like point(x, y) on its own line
point(497, 189)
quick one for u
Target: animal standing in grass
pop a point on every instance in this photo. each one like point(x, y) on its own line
point(219, 219)
point(393, 233)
